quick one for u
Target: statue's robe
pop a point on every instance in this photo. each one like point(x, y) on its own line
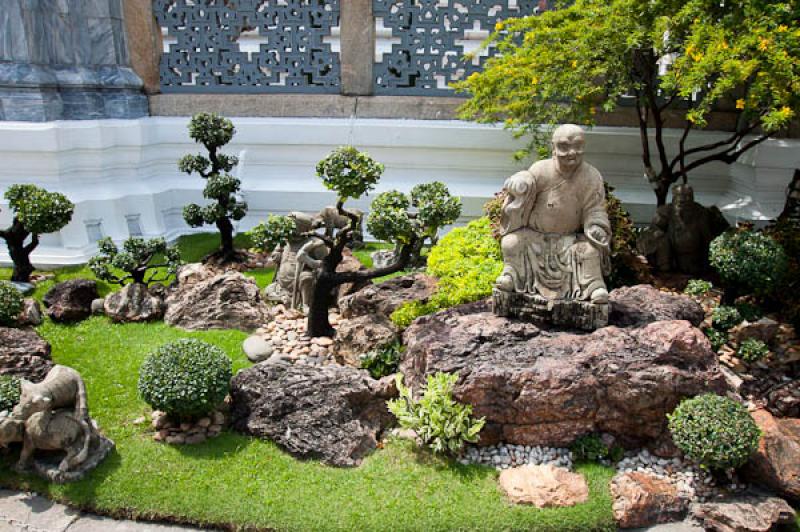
point(547, 249)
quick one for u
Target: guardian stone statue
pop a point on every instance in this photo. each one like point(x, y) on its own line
point(556, 240)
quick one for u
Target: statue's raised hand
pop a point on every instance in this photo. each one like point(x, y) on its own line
point(518, 184)
point(598, 234)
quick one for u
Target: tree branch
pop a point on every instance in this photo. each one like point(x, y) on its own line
point(396, 266)
point(32, 244)
point(726, 156)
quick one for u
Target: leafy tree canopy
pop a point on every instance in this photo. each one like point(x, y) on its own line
point(38, 210)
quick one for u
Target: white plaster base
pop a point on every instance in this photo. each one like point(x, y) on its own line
point(118, 169)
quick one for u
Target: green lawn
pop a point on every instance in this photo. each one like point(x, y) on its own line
point(248, 483)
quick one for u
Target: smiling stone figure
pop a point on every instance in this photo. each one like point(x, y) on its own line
point(555, 239)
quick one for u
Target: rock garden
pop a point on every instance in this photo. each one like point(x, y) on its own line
point(547, 366)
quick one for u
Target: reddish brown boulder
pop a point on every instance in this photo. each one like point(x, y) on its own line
point(384, 298)
point(24, 354)
point(749, 513)
point(642, 304)
point(642, 499)
point(776, 463)
point(547, 387)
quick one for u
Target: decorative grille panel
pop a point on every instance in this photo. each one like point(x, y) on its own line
point(429, 39)
point(241, 46)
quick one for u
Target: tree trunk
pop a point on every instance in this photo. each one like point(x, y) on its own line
point(225, 228)
point(20, 254)
point(662, 191)
point(318, 322)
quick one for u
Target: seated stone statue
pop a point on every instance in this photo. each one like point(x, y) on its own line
point(680, 234)
point(555, 239)
point(296, 261)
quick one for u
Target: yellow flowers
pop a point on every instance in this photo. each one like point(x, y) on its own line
point(786, 112)
point(535, 80)
point(740, 104)
point(499, 26)
point(763, 44)
point(783, 28)
point(692, 52)
point(574, 63)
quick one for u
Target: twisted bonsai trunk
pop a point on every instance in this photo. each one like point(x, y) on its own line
point(20, 253)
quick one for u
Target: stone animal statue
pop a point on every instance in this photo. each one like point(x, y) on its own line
point(62, 388)
point(49, 431)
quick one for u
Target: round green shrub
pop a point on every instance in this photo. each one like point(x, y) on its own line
point(186, 378)
point(11, 302)
point(715, 431)
point(724, 318)
point(697, 288)
point(752, 350)
point(717, 338)
point(749, 261)
point(9, 392)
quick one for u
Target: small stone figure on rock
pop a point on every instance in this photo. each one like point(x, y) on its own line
point(52, 416)
point(555, 240)
point(296, 262)
point(680, 233)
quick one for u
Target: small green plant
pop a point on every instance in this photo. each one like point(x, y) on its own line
point(715, 431)
point(752, 350)
point(382, 361)
point(716, 337)
point(749, 262)
point(697, 288)
point(11, 302)
point(442, 423)
point(724, 318)
point(9, 392)
point(467, 261)
point(134, 260)
point(589, 448)
point(276, 231)
point(186, 378)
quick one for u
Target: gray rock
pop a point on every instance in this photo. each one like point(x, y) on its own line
point(547, 387)
point(360, 335)
point(98, 306)
point(26, 288)
point(71, 300)
point(642, 304)
point(384, 298)
point(133, 303)
point(257, 348)
point(749, 513)
point(24, 354)
point(332, 413)
point(31, 315)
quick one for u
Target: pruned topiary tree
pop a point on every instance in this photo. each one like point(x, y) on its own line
point(36, 212)
point(214, 132)
point(134, 260)
point(351, 174)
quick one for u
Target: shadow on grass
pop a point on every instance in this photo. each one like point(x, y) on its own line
point(426, 457)
point(226, 444)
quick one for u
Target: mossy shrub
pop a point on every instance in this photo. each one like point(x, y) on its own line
point(749, 262)
point(752, 350)
point(697, 288)
point(11, 302)
point(715, 431)
point(723, 318)
point(9, 392)
point(186, 378)
point(716, 337)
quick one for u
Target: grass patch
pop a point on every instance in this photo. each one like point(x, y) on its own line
point(245, 482)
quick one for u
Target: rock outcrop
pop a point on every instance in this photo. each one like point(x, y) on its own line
point(547, 387)
point(642, 499)
point(384, 298)
point(24, 354)
point(750, 513)
point(134, 303)
point(71, 300)
point(360, 335)
point(31, 315)
point(332, 413)
point(642, 304)
point(776, 463)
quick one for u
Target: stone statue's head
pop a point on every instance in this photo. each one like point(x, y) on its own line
point(568, 144)
point(303, 222)
point(682, 196)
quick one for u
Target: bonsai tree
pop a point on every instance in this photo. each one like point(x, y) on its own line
point(673, 59)
point(351, 174)
point(134, 261)
point(213, 132)
point(36, 212)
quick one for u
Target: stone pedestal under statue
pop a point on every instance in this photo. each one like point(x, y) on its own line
point(555, 240)
point(66, 61)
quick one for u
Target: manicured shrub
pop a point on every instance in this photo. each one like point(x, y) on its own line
point(752, 350)
point(749, 262)
point(11, 302)
point(697, 288)
point(277, 230)
point(467, 261)
point(132, 263)
point(382, 361)
point(439, 421)
point(717, 338)
point(715, 431)
point(9, 392)
point(186, 378)
point(724, 318)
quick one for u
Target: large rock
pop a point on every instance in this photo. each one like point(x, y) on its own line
point(642, 304)
point(384, 298)
point(23, 353)
point(31, 315)
point(544, 486)
point(71, 300)
point(361, 335)
point(210, 299)
point(642, 499)
point(134, 303)
point(744, 514)
point(776, 463)
point(547, 387)
point(332, 413)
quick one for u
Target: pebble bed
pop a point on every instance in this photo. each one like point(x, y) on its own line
point(505, 456)
point(286, 334)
